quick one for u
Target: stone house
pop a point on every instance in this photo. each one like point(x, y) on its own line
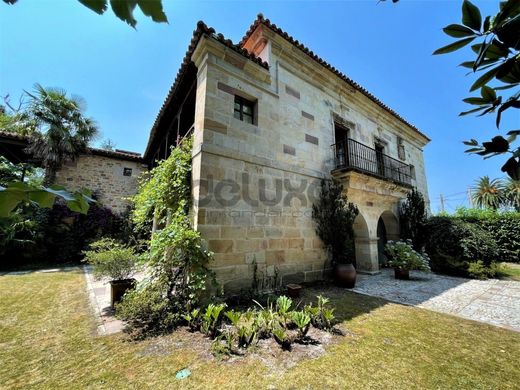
point(270, 119)
point(110, 175)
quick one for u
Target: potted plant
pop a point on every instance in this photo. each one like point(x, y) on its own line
point(403, 258)
point(334, 216)
point(116, 262)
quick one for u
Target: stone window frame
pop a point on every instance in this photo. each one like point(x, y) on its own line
point(127, 171)
point(242, 103)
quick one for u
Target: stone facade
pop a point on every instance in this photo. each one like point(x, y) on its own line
point(105, 176)
point(254, 183)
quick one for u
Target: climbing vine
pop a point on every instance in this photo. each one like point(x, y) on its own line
point(177, 259)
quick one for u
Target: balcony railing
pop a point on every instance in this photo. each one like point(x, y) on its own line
point(353, 155)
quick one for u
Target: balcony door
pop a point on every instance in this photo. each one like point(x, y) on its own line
point(380, 161)
point(341, 135)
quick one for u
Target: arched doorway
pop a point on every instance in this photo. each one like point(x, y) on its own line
point(387, 229)
point(361, 242)
point(381, 241)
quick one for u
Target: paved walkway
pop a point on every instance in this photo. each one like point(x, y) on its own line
point(495, 302)
point(99, 296)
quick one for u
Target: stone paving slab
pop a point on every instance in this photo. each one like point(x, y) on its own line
point(492, 301)
point(99, 297)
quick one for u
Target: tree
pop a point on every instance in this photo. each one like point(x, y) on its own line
point(512, 193)
point(412, 217)
point(489, 194)
point(124, 9)
point(497, 60)
point(108, 144)
point(498, 54)
point(15, 119)
point(334, 216)
point(64, 132)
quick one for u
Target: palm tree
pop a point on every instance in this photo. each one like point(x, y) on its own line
point(512, 193)
point(64, 132)
point(489, 194)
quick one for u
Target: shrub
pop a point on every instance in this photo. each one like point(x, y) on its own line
point(401, 255)
point(504, 227)
point(412, 217)
point(453, 243)
point(334, 216)
point(148, 312)
point(111, 259)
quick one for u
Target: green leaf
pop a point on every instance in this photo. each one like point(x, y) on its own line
point(153, 9)
point(472, 142)
point(476, 101)
point(471, 15)
point(473, 150)
point(488, 94)
point(458, 31)
point(484, 79)
point(124, 10)
point(98, 6)
point(506, 87)
point(487, 23)
point(42, 198)
point(453, 46)
point(8, 201)
point(481, 55)
point(513, 132)
point(471, 111)
point(514, 103)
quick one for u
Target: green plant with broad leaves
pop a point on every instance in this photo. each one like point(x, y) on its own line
point(111, 259)
point(124, 9)
point(211, 319)
point(19, 193)
point(193, 319)
point(322, 316)
point(302, 321)
point(401, 255)
point(233, 316)
point(283, 306)
point(282, 338)
point(498, 64)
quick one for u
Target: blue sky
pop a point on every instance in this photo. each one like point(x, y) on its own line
point(124, 74)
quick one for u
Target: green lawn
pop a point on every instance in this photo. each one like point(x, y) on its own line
point(47, 341)
point(510, 271)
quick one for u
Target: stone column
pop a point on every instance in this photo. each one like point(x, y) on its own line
point(366, 255)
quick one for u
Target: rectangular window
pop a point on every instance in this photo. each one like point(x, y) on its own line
point(127, 171)
point(244, 109)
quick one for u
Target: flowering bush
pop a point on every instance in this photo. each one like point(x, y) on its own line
point(401, 255)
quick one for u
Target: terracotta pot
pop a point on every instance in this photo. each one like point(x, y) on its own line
point(345, 275)
point(118, 288)
point(403, 274)
point(293, 290)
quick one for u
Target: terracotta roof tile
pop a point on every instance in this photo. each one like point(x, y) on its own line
point(267, 23)
point(122, 155)
point(202, 29)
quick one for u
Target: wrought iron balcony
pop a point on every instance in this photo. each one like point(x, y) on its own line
point(351, 155)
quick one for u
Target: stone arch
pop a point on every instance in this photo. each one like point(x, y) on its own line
point(364, 245)
point(387, 229)
point(391, 223)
